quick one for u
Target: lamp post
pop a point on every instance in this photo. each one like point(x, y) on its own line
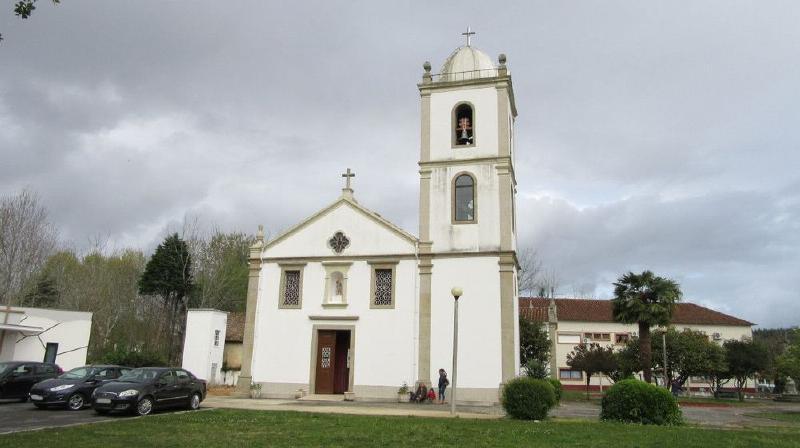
point(456, 292)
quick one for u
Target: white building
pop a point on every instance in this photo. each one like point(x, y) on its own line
point(346, 301)
point(570, 322)
point(204, 343)
point(37, 334)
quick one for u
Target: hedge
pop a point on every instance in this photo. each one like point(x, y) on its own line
point(634, 401)
point(528, 398)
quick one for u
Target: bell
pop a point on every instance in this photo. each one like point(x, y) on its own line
point(464, 135)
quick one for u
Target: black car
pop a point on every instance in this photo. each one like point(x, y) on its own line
point(142, 390)
point(74, 388)
point(17, 377)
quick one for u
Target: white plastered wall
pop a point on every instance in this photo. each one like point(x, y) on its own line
point(479, 354)
point(200, 355)
point(484, 101)
point(483, 235)
point(69, 329)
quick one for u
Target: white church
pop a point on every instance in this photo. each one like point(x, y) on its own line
point(346, 301)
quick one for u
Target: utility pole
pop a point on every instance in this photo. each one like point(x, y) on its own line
point(664, 342)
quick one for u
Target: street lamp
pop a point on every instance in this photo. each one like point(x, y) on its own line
point(456, 292)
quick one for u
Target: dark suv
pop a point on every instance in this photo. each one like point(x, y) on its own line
point(73, 388)
point(17, 377)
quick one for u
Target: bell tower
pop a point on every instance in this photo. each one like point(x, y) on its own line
point(467, 223)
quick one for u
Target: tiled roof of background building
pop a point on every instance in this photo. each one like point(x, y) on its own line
point(591, 310)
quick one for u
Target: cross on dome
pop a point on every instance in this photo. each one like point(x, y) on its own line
point(469, 35)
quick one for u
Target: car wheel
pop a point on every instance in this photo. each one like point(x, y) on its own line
point(76, 402)
point(144, 406)
point(194, 402)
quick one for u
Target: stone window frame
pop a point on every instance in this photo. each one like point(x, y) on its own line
point(374, 266)
point(453, 141)
point(282, 290)
point(474, 219)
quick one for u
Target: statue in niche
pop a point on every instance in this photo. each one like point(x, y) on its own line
point(337, 293)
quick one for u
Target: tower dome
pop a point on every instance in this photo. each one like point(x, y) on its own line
point(467, 62)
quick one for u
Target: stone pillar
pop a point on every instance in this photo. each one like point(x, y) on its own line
point(508, 347)
point(424, 356)
point(246, 375)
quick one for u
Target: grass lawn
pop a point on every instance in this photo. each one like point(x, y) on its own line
point(233, 428)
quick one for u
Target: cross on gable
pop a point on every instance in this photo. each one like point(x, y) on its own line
point(348, 175)
point(469, 35)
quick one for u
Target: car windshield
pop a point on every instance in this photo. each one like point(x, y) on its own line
point(79, 373)
point(139, 375)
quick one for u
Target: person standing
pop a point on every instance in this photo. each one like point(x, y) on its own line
point(443, 383)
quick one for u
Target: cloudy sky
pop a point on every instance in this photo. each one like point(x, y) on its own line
point(660, 135)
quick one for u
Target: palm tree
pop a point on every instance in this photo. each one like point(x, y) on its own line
point(647, 300)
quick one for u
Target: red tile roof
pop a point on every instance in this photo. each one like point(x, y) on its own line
point(591, 310)
point(234, 330)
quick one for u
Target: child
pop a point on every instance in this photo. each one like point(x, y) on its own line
point(443, 383)
point(431, 395)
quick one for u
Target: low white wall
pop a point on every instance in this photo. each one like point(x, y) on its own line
point(201, 355)
point(69, 329)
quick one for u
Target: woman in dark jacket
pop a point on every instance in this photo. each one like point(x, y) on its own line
point(443, 383)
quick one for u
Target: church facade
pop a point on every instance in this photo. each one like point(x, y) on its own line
point(346, 301)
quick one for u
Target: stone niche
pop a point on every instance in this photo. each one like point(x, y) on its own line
point(335, 293)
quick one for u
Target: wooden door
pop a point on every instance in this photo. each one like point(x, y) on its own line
point(326, 358)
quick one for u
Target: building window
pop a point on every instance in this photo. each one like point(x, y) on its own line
point(216, 338)
point(569, 339)
point(463, 125)
point(622, 338)
point(598, 336)
point(570, 375)
point(383, 285)
point(464, 199)
point(291, 288)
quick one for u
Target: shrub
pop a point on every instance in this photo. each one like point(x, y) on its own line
point(635, 401)
point(132, 358)
point(536, 369)
point(557, 388)
point(527, 398)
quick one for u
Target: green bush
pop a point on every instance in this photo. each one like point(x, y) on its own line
point(557, 388)
point(131, 358)
point(527, 398)
point(635, 401)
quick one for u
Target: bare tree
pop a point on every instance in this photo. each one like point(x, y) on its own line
point(27, 238)
point(530, 271)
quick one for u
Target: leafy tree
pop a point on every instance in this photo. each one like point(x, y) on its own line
point(534, 344)
point(220, 271)
point(627, 359)
point(592, 358)
point(788, 363)
point(688, 354)
point(647, 300)
point(168, 275)
point(43, 294)
point(745, 359)
point(717, 370)
point(776, 340)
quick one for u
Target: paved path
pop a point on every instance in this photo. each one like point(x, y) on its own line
point(16, 416)
point(708, 416)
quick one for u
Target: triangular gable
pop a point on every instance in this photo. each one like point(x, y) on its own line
point(349, 204)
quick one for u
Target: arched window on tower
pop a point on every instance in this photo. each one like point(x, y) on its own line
point(464, 199)
point(463, 126)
